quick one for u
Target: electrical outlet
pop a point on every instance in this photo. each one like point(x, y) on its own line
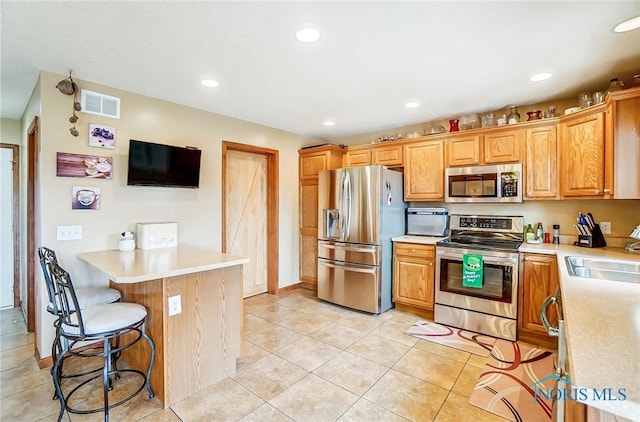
point(175, 306)
point(605, 226)
point(69, 232)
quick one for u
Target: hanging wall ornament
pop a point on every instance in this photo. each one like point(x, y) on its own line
point(69, 87)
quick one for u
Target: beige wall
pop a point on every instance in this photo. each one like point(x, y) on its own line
point(10, 131)
point(197, 211)
point(624, 215)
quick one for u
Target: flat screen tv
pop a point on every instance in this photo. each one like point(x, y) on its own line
point(152, 164)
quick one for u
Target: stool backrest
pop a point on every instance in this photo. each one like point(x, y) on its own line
point(65, 302)
point(48, 256)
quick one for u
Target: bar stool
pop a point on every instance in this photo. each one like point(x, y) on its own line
point(102, 323)
point(87, 297)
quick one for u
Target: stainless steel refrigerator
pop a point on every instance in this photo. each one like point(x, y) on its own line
point(359, 210)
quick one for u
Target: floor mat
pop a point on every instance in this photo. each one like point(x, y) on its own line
point(478, 344)
point(511, 380)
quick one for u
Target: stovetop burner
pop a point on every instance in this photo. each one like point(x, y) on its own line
point(489, 233)
point(483, 244)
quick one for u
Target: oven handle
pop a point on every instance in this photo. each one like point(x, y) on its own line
point(490, 259)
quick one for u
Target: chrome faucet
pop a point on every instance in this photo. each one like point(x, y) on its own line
point(635, 234)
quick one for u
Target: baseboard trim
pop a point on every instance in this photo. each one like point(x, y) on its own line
point(424, 313)
point(294, 286)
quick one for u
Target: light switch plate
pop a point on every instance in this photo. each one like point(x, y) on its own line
point(68, 232)
point(175, 305)
point(605, 226)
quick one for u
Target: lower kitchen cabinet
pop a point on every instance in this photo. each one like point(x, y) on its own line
point(414, 278)
point(538, 279)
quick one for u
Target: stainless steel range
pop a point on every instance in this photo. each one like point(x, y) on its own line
point(490, 306)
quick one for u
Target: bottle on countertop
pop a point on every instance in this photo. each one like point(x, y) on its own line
point(528, 234)
point(513, 116)
point(556, 234)
point(539, 232)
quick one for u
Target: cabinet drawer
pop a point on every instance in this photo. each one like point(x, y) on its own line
point(415, 249)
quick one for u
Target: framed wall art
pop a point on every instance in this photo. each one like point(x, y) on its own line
point(87, 166)
point(85, 198)
point(102, 136)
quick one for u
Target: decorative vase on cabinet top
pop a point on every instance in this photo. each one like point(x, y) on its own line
point(453, 125)
point(534, 115)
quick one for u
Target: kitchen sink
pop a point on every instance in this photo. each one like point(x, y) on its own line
point(604, 269)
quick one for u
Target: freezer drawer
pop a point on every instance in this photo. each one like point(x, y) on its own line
point(352, 285)
point(349, 252)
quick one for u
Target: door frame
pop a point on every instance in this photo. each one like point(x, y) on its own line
point(33, 147)
point(272, 206)
point(15, 212)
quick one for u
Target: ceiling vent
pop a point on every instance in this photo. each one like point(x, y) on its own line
point(100, 104)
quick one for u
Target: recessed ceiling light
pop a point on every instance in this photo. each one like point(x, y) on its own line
point(329, 123)
point(412, 104)
point(540, 77)
point(210, 83)
point(308, 35)
point(628, 25)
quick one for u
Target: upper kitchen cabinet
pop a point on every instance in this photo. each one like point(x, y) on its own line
point(624, 121)
point(582, 155)
point(389, 155)
point(424, 170)
point(463, 150)
point(502, 145)
point(357, 157)
point(541, 163)
point(311, 162)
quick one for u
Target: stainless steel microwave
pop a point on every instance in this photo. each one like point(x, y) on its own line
point(500, 183)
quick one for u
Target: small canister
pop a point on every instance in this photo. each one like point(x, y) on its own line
point(556, 234)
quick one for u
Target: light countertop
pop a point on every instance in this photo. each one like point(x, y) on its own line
point(602, 320)
point(150, 264)
point(424, 240)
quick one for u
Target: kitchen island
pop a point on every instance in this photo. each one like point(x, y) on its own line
point(193, 298)
point(602, 320)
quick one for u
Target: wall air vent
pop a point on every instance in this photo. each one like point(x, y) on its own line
point(100, 104)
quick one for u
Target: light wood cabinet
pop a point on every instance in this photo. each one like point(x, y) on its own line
point(463, 151)
point(538, 279)
point(382, 154)
point(625, 125)
point(424, 170)
point(359, 157)
point(541, 163)
point(311, 162)
point(502, 146)
point(582, 156)
point(414, 276)
point(388, 155)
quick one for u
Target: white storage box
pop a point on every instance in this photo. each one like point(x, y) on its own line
point(157, 235)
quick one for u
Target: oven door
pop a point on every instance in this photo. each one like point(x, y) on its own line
point(498, 294)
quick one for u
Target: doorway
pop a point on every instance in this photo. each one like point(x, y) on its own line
point(33, 141)
point(9, 226)
point(250, 213)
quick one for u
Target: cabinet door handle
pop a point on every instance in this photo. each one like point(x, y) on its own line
point(431, 264)
point(413, 250)
point(597, 191)
point(607, 191)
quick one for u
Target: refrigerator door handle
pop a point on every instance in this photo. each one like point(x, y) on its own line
point(351, 267)
point(348, 204)
point(363, 248)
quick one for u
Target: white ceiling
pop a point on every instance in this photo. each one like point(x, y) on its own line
point(372, 57)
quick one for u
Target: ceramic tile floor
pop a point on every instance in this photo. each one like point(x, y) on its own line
point(304, 360)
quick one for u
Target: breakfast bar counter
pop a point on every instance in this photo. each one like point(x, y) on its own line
point(198, 338)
